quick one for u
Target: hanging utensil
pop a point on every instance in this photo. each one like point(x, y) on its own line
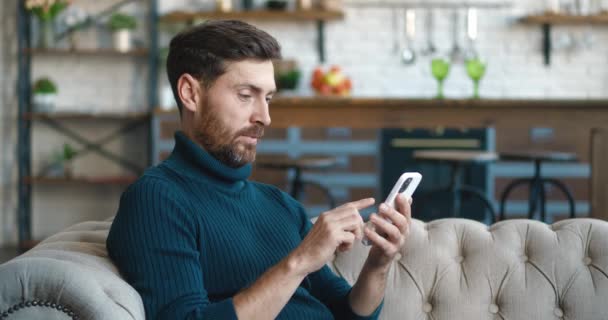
point(396, 35)
point(472, 29)
point(456, 54)
point(430, 48)
point(408, 55)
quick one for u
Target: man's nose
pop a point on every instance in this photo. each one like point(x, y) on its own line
point(262, 114)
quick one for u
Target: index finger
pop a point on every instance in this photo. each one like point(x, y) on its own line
point(361, 204)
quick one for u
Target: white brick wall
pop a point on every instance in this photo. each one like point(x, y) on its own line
point(361, 43)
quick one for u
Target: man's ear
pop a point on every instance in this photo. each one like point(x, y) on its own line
point(189, 91)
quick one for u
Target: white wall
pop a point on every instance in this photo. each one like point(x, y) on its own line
point(361, 44)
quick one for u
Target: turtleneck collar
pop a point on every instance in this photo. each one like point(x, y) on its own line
point(192, 160)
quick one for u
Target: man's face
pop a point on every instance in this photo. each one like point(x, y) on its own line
point(234, 111)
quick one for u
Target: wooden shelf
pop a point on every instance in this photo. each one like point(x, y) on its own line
point(87, 52)
point(116, 181)
point(560, 19)
point(160, 112)
point(86, 116)
point(312, 15)
point(502, 105)
point(318, 16)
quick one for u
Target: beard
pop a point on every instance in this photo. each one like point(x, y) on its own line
point(218, 140)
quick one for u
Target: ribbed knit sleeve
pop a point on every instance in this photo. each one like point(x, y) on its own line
point(153, 241)
point(329, 288)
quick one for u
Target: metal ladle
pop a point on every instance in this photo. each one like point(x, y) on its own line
point(430, 48)
point(456, 54)
point(408, 55)
point(396, 35)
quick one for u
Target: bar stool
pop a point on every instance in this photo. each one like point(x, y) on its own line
point(458, 160)
point(299, 165)
point(537, 182)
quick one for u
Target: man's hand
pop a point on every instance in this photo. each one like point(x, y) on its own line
point(334, 230)
point(368, 291)
point(384, 248)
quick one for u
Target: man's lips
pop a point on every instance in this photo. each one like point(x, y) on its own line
point(251, 139)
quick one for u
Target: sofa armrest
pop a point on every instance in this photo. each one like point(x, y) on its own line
point(69, 275)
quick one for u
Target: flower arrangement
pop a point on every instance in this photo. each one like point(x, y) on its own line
point(47, 10)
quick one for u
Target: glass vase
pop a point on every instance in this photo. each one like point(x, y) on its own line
point(46, 34)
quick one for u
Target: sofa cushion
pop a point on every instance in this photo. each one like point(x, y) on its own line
point(516, 269)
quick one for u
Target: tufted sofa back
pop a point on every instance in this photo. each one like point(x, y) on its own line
point(516, 269)
point(449, 269)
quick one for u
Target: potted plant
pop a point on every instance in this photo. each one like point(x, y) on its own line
point(122, 26)
point(288, 80)
point(62, 162)
point(46, 11)
point(276, 5)
point(44, 95)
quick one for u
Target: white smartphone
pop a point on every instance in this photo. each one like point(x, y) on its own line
point(407, 184)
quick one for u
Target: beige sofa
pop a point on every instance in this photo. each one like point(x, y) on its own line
point(449, 269)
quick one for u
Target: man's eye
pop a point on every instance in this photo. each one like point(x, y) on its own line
point(268, 99)
point(244, 96)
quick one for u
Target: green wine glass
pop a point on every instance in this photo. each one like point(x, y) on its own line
point(476, 69)
point(440, 68)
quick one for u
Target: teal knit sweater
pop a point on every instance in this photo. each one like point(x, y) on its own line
point(192, 232)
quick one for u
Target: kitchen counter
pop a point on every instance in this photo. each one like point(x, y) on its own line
point(402, 112)
point(591, 115)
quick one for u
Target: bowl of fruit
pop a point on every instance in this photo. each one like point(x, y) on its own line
point(331, 82)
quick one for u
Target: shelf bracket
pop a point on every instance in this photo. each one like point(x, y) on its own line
point(546, 27)
point(321, 40)
point(97, 146)
point(93, 19)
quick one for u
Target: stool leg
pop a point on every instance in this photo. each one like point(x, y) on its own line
point(505, 195)
point(423, 199)
point(296, 185)
point(543, 202)
point(478, 194)
point(533, 197)
point(330, 198)
point(454, 187)
point(567, 193)
point(535, 188)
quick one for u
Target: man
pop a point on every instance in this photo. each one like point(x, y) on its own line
point(199, 241)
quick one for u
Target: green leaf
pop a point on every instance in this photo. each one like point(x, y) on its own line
point(45, 85)
point(120, 21)
point(54, 10)
point(68, 152)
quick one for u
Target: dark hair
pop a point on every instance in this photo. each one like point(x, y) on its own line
point(202, 51)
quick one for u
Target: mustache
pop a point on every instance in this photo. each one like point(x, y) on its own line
point(255, 131)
